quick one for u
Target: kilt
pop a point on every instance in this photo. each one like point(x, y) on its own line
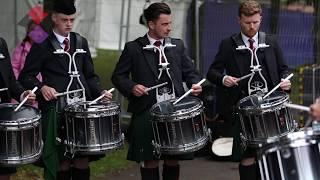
point(140, 141)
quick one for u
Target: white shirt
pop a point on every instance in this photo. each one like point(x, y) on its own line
point(61, 38)
point(152, 40)
point(246, 40)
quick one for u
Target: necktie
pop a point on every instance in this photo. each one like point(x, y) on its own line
point(66, 44)
point(251, 41)
point(158, 44)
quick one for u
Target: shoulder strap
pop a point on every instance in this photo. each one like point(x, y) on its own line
point(78, 41)
point(1, 45)
point(54, 42)
point(236, 38)
point(262, 37)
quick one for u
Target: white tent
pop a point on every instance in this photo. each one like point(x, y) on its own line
point(97, 20)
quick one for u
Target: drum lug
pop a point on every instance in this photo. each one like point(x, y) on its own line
point(208, 133)
point(156, 150)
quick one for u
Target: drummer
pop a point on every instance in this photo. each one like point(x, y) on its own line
point(138, 69)
point(54, 71)
point(315, 110)
point(230, 64)
point(15, 90)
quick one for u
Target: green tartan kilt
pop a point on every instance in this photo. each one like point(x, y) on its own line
point(140, 141)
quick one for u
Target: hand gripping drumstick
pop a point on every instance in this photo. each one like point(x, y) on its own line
point(68, 92)
point(156, 86)
point(188, 92)
point(100, 97)
point(245, 76)
point(25, 99)
point(277, 86)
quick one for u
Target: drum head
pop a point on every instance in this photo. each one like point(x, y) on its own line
point(255, 102)
point(25, 113)
point(166, 108)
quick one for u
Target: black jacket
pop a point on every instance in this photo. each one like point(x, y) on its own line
point(138, 66)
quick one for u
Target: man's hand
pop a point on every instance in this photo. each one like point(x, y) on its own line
point(196, 89)
point(107, 95)
point(230, 81)
point(285, 84)
point(139, 90)
point(315, 110)
point(48, 93)
point(31, 96)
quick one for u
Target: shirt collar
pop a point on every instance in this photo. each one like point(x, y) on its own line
point(152, 40)
point(61, 38)
point(246, 38)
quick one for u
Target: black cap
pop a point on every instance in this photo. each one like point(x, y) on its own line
point(64, 6)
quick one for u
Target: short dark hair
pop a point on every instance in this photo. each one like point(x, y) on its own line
point(249, 8)
point(153, 12)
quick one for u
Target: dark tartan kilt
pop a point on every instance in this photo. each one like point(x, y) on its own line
point(140, 141)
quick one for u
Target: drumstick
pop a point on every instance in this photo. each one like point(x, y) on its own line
point(68, 92)
point(3, 89)
point(188, 92)
point(100, 97)
point(277, 86)
point(156, 86)
point(25, 99)
point(245, 76)
point(298, 107)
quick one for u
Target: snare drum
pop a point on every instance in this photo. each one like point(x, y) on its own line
point(293, 157)
point(265, 119)
point(92, 129)
point(20, 135)
point(180, 128)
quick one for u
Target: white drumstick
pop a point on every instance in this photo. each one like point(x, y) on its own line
point(68, 92)
point(156, 86)
point(3, 89)
point(245, 76)
point(277, 86)
point(298, 107)
point(25, 99)
point(188, 92)
point(100, 97)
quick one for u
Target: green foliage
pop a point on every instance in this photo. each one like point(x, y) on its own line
point(104, 65)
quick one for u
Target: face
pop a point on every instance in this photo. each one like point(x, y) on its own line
point(161, 27)
point(63, 23)
point(250, 25)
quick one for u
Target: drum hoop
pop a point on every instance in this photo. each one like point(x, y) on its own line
point(92, 114)
point(21, 121)
point(197, 108)
point(265, 106)
point(177, 116)
point(71, 108)
point(299, 139)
